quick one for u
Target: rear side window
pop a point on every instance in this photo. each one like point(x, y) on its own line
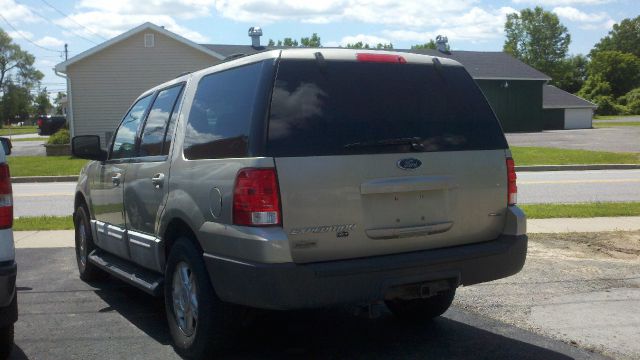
point(340, 107)
point(155, 129)
point(220, 117)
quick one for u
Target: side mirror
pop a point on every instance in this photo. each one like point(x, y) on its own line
point(6, 145)
point(88, 147)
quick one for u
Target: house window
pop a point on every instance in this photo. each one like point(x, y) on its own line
point(149, 40)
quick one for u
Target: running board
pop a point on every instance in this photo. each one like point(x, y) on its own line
point(145, 280)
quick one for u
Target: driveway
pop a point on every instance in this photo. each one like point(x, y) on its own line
point(614, 139)
point(28, 148)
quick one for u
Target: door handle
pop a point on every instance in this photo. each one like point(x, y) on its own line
point(115, 179)
point(158, 180)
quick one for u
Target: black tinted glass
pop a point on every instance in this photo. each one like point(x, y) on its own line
point(125, 139)
point(153, 135)
point(332, 108)
point(220, 116)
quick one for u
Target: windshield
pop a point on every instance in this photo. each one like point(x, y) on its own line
point(339, 107)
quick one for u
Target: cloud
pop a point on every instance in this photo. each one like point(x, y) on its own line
point(15, 12)
point(366, 39)
point(20, 34)
point(49, 41)
point(590, 21)
point(185, 9)
point(113, 24)
point(562, 2)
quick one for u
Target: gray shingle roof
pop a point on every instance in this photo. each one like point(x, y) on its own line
point(480, 64)
point(554, 98)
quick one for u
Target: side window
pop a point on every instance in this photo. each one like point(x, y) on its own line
point(124, 143)
point(153, 135)
point(220, 116)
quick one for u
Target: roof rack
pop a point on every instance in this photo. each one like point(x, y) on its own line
point(234, 56)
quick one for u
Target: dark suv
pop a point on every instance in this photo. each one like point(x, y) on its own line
point(49, 125)
point(301, 178)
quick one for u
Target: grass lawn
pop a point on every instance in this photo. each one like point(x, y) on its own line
point(6, 131)
point(612, 117)
point(611, 124)
point(32, 223)
point(45, 165)
point(552, 156)
point(546, 211)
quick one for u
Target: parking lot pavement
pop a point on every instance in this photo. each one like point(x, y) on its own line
point(62, 317)
point(615, 139)
point(28, 148)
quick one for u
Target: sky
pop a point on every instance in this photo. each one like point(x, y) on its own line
point(42, 27)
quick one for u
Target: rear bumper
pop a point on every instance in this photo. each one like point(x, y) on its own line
point(8, 301)
point(294, 286)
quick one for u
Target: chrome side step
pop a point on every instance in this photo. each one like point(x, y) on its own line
point(145, 280)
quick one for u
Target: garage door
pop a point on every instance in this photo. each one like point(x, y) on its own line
point(578, 118)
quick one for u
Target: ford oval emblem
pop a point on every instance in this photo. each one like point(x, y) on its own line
point(409, 164)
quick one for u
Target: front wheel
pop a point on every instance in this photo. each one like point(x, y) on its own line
point(420, 310)
point(199, 322)
point(84, 247)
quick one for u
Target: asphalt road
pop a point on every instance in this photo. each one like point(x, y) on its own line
point(28, 148)
point(31, 199)
point(62, 317)
point(578, 186)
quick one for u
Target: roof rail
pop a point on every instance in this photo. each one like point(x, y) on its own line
point(234, 56)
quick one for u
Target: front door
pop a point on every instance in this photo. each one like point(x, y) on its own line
point(107, 189)
point(145, 190)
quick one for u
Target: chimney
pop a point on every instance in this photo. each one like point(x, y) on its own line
point(255, 32)
point(442, 44)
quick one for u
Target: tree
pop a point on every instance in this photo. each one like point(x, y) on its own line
point(16, 103)
point(624, 37)
point(537, 38)
point(431, 44)
point(361, 45)
point(620, 70)
point(41, 104)
point(312, 41)
point(572, 73)
point(58, 101)
point(16, 65)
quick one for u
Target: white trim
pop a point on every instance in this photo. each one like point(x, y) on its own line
point(571, 107)
point(62, 67)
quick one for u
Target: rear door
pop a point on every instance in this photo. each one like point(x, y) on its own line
point(375, 157)
point(145, 191)
point(107, 190)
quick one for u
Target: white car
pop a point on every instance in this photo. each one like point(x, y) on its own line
point(8, 297)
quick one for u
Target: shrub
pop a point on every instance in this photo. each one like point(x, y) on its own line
point(608, 106)
point(631, 102)
point(60, 137)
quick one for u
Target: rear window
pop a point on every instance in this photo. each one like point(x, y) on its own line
point(339, 107)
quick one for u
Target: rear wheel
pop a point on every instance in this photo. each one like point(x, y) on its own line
point(199, 322)
point(84, 247)
point(6, 341)
point(419, 310)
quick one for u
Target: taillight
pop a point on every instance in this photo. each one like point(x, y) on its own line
point(385, 58)
point(256, 198)
point(39, 122)
point(512, 192)
point(6, 198)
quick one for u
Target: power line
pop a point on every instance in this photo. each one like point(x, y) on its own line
point(26, 38)
point(70, 18)
point(60, 27)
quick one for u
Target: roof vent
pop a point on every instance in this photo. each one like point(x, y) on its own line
point(255, 32)
point(442, 44)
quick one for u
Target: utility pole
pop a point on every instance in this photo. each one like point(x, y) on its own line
point(66, 52)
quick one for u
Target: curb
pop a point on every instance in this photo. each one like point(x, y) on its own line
point(577, 167)
point(43, 179)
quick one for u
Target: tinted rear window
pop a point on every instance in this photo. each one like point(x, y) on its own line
point(325, 108)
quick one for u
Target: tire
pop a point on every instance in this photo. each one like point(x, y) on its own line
point(420, 310)
point(6, 341)
point(84, 247)
point(212, 327)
